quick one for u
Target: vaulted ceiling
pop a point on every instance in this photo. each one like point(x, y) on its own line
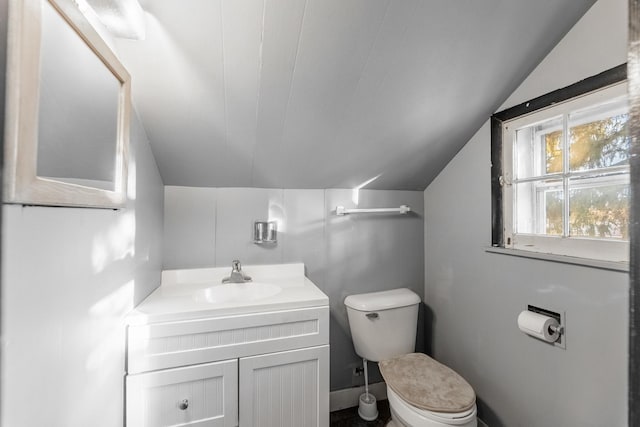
point(329, 93)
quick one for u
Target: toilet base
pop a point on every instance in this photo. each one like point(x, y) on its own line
point(404, 415)
point(368, 407)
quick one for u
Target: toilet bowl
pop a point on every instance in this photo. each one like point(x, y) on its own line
point(383, 328)
point(406, 415)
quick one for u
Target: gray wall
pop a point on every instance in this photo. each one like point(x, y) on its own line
point(474, 297)
point(345, 255)
point(70, 275)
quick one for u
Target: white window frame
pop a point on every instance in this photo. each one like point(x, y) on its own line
point(582, 247)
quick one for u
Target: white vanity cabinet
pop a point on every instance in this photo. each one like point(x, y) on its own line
point(257, 369)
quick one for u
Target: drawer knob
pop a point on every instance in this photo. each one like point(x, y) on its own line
point(183, 405)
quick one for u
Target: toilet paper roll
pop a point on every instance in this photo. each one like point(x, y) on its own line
point(538, 326)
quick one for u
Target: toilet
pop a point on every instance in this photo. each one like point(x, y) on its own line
point(421, 391)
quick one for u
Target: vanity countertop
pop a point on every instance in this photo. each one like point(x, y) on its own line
point(187, 294)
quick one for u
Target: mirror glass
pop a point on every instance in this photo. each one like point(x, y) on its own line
point(77, 108)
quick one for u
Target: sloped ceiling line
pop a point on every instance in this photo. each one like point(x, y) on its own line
point(224, 80)
point(260, 62)
point(352, 97)
point(279, 133)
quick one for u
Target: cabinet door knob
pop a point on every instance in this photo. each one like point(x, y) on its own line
point(183, 405)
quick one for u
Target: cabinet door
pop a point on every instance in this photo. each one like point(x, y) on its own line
point(203, 395)
point(287, 389)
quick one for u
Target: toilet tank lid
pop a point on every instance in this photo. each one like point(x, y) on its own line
point(383, 300)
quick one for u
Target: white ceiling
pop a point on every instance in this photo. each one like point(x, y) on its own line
point(329, 93)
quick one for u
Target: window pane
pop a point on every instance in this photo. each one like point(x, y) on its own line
point(538, 149)
point(598, 136)
point(538, 207)
point(553, 151)
point(599, 207)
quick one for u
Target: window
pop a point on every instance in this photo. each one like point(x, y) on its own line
point(564, 181)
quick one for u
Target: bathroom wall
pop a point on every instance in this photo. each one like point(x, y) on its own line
point(69, 277)
point(475, 296)
point(343, 255)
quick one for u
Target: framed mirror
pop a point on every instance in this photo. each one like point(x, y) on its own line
point(68, 107)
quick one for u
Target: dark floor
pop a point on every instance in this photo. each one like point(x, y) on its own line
point(349, 417)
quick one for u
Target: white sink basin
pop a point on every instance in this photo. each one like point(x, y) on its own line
point(237, 292)
point(197, 293)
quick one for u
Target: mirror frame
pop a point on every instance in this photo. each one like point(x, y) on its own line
point(21, 183)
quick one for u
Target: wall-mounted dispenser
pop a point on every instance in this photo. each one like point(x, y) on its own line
point(542, 324)
point(265, 232)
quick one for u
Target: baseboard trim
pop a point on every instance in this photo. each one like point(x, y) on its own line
point(348, 397)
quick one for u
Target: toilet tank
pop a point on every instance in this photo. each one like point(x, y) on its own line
point(383, 324)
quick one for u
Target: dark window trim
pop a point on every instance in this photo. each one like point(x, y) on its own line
point(634, 258)
point(590, 84)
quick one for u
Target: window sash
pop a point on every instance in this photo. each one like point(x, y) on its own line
point(597, 248)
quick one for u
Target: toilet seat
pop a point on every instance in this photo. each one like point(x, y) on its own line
point(426, 384)
point(412, 416)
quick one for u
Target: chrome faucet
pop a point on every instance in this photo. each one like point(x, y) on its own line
point(237, 276)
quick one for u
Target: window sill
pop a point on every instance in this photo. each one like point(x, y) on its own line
point(586, 262)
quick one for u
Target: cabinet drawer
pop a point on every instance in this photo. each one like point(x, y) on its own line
point(203, 395)
point(166, 345)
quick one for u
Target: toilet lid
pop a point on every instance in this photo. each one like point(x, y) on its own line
point(427, 384)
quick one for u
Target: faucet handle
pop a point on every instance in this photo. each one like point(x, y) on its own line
point(235, 265)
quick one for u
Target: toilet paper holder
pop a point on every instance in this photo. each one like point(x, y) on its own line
point(560, 329)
